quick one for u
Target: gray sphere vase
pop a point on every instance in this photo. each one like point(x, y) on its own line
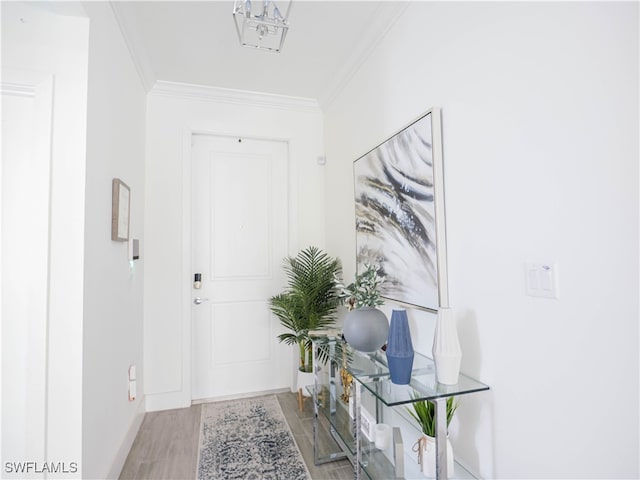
point(400, 348)
point(366, 329)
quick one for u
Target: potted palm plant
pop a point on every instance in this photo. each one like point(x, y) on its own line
point(309, 302)
point(424, 413)
point(365, 327)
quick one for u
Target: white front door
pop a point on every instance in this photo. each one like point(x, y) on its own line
point(240, 236)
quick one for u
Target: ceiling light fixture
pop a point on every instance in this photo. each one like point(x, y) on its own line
point(261, 24)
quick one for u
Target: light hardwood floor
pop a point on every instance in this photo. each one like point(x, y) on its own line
point(166, 447)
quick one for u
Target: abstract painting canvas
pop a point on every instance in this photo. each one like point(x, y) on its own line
point(399, 204)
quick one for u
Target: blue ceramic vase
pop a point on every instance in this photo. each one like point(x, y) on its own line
point(399, 348)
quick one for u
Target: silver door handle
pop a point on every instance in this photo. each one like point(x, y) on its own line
point(199, 300)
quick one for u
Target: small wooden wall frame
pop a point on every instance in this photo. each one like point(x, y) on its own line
point(120, 209)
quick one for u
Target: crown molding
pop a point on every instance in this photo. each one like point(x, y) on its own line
point(232, 96)
point(125, 20)
point(384, 19)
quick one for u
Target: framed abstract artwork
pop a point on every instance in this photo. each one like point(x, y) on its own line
point(400, 224)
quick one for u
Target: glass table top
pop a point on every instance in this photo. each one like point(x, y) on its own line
point(371, 370)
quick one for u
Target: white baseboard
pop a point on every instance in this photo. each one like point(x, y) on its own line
point(127, 442)
point(167, 401)
point(241, 395)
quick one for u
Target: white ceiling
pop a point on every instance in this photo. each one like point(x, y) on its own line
point(196, 43)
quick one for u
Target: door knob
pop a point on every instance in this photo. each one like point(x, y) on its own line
point(199, 300)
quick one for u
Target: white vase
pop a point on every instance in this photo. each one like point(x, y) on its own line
point(383, 436)
point(447, 354)
point(428, 456)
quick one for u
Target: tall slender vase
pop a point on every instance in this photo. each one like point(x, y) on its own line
point(447, 353)
point(399, 348)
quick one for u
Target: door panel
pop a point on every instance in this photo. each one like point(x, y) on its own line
point(241, 216)
point(243, 317)
point(239, 238)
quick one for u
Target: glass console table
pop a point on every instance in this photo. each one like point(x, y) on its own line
point(369, 373)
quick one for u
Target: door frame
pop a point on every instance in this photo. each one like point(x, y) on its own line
point(40, 87)
point(186, 294)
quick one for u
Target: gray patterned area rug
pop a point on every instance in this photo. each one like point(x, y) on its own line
point(248, 439)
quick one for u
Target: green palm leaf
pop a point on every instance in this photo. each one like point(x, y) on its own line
point(424, 413)
point(311, 299)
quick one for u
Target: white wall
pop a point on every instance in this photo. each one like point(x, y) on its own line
point(540, 125)
point(113, 291)
point(33, 39)
point(172, 112)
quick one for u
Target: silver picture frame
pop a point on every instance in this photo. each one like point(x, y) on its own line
point(400, 213)
point(120, 210)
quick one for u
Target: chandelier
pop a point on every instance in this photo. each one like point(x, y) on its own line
point(261, 24)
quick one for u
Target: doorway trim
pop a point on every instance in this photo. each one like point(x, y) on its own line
point(186, 293)
point(38, 86)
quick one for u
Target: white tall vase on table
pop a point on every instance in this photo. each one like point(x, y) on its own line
point(447, 353)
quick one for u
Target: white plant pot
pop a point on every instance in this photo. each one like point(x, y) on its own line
point(305, 379)
point(428, 445)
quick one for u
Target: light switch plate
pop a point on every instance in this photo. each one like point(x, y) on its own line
point(541, 279)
